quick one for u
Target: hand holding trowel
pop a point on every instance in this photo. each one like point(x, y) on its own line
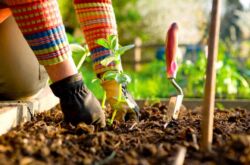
point(175, 102)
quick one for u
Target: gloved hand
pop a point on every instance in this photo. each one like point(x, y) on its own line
point(77, 102)
point(127, 109)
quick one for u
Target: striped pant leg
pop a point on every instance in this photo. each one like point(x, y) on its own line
point(97, 20)
point(41, 24)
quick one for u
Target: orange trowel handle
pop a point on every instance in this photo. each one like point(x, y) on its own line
point(171, 50)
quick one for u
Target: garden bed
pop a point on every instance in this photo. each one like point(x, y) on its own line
point(48, 140)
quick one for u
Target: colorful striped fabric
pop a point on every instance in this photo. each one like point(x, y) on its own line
point(97, 20)
point(41, 24)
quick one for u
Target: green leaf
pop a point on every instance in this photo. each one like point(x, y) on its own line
point(103, 42)
point(118, 61)
point(78, 49)
point(95, 80)
point(128, 79)
point(79, 52)
point(113, 41)
point(123, 78)
point(106, 61)
point(123, 49)
point(110, 75)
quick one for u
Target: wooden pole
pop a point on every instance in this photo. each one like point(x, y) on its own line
point(137, 54)
point(208, 103)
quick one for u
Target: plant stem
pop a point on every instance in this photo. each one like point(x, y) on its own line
point(113, 117)
point(81, 61)
point(104, 99)
point(118, 101)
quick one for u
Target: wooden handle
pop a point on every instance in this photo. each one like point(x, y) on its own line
point(209, 98)
point(171, 50)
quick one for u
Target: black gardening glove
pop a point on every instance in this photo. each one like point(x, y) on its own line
point(77, 102)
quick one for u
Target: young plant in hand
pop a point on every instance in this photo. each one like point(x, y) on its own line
point(111, 43)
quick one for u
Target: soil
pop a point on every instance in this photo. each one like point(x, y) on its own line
point(48, 140)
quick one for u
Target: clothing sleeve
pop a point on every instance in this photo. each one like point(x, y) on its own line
point(41, 24)
point(97, 20)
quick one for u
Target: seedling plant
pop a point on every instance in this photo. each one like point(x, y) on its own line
point(111, 43)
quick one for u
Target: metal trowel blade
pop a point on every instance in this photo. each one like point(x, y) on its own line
point(174, 106)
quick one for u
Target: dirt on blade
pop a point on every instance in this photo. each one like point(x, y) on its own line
point(48, 140)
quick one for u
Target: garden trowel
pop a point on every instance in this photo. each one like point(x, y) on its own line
point(175, 102)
